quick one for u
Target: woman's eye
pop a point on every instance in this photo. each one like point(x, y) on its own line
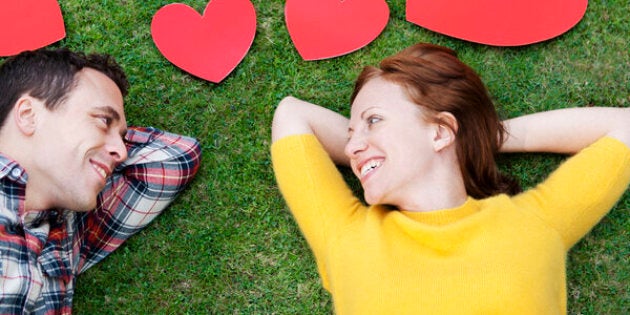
point(373, 119)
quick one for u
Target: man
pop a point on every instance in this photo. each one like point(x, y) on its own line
point(76, 181)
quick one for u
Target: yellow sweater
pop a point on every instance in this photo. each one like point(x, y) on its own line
point(500, 255)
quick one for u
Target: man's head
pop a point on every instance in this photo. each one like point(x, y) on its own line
point(49, 75)
point(63, 122)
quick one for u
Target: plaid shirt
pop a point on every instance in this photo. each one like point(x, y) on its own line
point(41, 252)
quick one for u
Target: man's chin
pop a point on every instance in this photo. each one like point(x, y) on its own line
point(83, 210)
point(84, 206)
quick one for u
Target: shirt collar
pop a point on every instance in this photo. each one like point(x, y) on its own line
point(12, 170)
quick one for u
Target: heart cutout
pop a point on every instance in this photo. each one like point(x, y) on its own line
point(497, 22)
point(331, 28)
point(29, 25)
point(208, 46)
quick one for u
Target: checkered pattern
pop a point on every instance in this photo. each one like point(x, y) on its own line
point(42, 252)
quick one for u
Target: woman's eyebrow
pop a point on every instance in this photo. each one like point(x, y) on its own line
point(366, 110)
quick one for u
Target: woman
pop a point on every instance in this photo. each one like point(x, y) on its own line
point(444, 232)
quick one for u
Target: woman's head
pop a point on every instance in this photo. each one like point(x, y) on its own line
point(434, 78)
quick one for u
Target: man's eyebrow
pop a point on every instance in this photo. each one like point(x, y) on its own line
point(109, 110)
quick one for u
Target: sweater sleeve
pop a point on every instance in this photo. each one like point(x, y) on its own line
point(314, 190)
point(582, 190)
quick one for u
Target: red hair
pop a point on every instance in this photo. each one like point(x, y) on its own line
point(435, 79)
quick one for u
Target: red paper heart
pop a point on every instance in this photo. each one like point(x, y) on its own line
point(208, 46)
point(330, 28)
point(29, 25)
point(497, 22)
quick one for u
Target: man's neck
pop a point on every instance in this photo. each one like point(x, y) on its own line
point(12, 146)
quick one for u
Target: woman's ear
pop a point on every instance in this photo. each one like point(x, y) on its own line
point(24, 114)
point(445, 131)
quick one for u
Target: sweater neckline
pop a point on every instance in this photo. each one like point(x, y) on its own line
point(444, 216)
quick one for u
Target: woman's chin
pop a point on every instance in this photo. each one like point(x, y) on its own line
point(371, 199)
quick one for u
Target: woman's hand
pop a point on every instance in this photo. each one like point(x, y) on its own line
point(294, 116)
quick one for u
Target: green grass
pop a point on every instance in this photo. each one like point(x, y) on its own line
point(228, 245)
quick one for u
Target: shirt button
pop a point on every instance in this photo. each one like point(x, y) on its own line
point(16, 172)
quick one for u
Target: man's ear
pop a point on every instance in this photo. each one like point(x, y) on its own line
point(25, 114)
point(445, 131)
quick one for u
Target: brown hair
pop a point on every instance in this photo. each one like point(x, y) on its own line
point(50, 75)
point(435, 79)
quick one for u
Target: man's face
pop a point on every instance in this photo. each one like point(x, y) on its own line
point(78, 144)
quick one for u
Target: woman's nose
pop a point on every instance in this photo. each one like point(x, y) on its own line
point(355, 145)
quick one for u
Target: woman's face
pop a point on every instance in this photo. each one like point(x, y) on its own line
point(390, 145)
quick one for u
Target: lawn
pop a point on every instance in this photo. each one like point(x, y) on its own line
point(228, 245)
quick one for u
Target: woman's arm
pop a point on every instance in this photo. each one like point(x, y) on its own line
point(566, 130)
point(294, 116)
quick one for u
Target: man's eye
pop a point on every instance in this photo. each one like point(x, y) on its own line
point(105, 120)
